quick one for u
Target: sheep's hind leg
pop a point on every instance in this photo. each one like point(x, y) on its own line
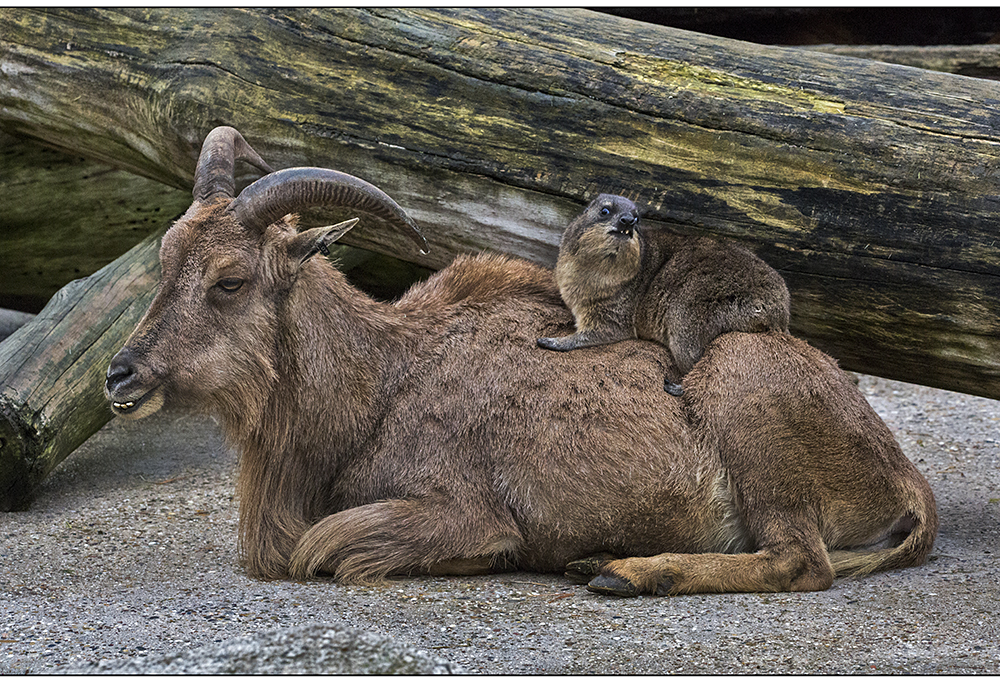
point(427, 536)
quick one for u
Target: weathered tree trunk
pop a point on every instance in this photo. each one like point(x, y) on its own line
point(977, 61)
point(872, 187)
point(63, 217)
point(52, 369)
point(11, 321)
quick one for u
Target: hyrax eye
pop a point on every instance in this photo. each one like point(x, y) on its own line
point(229, 284)
point(605, 211)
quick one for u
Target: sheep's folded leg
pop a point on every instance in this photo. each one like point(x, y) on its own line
point(365, 544)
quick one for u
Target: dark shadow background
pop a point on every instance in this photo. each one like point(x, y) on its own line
point(841, 25)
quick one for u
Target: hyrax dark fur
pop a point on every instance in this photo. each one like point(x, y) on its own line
point(624, 282)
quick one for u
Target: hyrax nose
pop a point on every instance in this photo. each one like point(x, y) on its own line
point(120, 370)
point(626, 223)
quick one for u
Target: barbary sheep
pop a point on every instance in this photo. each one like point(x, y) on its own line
point(431, 435)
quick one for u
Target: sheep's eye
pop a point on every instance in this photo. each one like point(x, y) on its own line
point(229, 284)
point(605, 211)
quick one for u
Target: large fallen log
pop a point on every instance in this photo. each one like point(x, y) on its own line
point(977, 61)
point(52, 369)
point(63, 217)
point(872, 187)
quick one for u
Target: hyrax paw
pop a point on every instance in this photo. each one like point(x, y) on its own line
point(560, 343)
point(672, 388)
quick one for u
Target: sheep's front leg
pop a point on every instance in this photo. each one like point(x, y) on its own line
point(414, 536)
point(779, 569)
point(792, 557)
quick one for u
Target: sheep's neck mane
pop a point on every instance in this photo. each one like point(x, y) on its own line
point(335, 349)
point(332, 356)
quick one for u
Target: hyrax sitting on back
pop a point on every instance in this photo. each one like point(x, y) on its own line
point(622, 282)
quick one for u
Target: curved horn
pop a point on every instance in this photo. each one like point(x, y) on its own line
point(213, 176)
point(293, 189)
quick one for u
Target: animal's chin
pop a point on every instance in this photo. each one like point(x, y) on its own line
point(141, 407)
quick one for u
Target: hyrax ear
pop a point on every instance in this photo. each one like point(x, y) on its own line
point(307, 243)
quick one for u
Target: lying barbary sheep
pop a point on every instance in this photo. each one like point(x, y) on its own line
point(624, 282)
point(431, 435)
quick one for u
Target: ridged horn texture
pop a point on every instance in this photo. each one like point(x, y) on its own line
point(293, 189)
point(214, 175)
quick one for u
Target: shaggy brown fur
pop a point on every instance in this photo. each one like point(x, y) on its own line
point(624, 281)
point(431, 435)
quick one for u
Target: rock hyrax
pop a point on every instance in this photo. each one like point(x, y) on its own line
point(623, 281)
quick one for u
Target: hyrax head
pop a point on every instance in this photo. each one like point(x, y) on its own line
point(614, 215)
point(604, 229)
point(599, 252)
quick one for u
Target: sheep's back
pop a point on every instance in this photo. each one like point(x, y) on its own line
point(569, 444)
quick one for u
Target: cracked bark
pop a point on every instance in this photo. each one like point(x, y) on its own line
point(871, 187)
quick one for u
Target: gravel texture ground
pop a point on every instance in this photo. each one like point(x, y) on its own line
point(309, 649)
point(129, 553)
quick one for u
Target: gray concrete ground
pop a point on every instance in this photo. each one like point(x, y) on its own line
point(129, 553)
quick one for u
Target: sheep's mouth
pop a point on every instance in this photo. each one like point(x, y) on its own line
point(124, 408)
point(146, 404)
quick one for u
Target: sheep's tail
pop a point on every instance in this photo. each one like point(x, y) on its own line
point(919, 523)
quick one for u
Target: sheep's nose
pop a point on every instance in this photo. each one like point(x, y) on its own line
point(120, 370)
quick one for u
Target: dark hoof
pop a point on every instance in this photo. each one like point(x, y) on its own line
point(613, 585)
point(577, 577)
point(582, 571)
point(673, 389)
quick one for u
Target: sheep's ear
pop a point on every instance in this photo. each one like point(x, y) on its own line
point(308, 243)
